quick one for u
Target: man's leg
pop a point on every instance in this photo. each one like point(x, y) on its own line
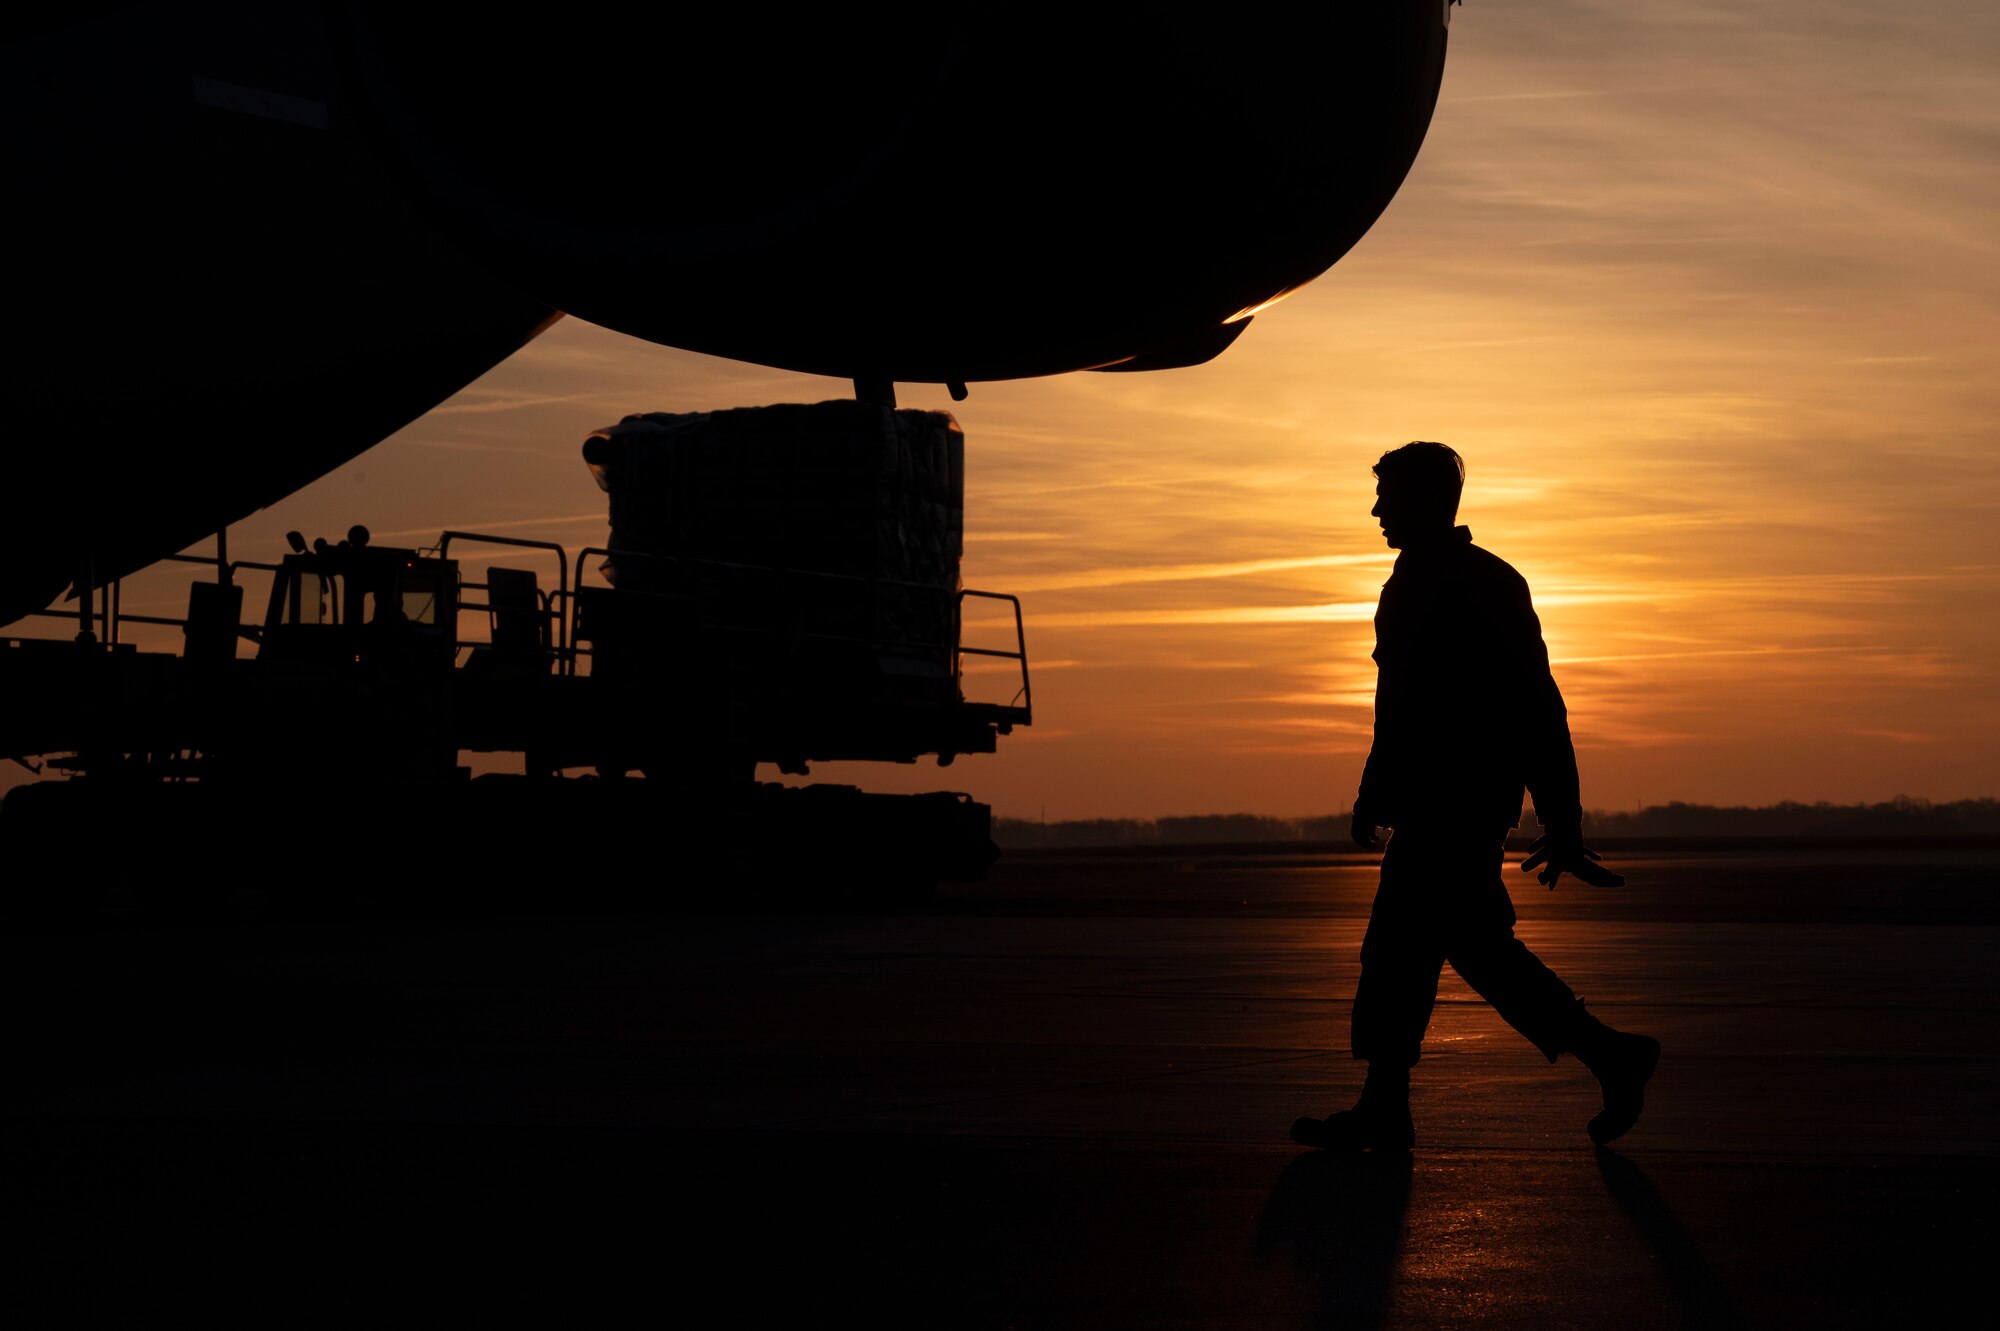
point(1401, 956)
point(1534, 1001)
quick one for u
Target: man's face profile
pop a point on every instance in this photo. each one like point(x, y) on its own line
point(1392, 507)
point(1411, 511)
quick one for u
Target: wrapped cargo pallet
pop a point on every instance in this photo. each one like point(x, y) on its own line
point(814, 547)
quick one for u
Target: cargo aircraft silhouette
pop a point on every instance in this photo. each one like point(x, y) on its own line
point(253, 239)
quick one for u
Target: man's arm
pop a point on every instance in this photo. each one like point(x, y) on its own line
point(1369, 801)
point(1373, 801)
point(1549, 760)
point(1364, 821)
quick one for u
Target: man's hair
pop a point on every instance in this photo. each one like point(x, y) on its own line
point(1430, 472)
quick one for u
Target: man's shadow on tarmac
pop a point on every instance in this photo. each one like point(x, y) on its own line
point(1342, 1215)
point(1344, 1218)
point(1694, 1286)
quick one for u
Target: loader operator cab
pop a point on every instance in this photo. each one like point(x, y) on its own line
point(361, 604)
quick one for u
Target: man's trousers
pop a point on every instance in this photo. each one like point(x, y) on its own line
point(1442, 899)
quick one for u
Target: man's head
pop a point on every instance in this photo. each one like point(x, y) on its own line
point(1416, 493)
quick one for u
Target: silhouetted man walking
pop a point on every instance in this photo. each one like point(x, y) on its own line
point(1466, 715)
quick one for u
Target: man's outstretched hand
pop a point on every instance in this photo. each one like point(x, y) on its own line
point(1362, 829)
point(1558, 855)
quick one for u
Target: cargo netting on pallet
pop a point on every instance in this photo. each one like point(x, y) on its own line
point(819, 544)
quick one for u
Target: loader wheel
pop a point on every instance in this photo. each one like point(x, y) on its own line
point(890, 893)
point(48, 900)
point(185, 902)
point(42, 884)
point(910, 893)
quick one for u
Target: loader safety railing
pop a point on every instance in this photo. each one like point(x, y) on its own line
point(100, 608)
point(552, 604)
point(1026, 694)
point(99, 612)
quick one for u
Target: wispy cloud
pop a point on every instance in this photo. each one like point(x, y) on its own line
point(1332, 612)
point(485, 402)
point(1707, 652)
point(502, 525)
point(1122, 577)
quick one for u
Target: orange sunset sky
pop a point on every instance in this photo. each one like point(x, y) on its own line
point(1706, 294)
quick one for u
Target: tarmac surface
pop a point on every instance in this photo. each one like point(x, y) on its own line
point(1056, 1099)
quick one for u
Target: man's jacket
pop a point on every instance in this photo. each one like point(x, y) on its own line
point(1466, 711)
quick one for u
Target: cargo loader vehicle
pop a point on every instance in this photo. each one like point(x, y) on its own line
point(780, 589)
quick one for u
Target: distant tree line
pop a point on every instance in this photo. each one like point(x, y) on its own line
point(1902, 816)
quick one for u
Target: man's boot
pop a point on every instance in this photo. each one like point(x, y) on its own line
point(1623, 1063)
point(1379, 1121)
